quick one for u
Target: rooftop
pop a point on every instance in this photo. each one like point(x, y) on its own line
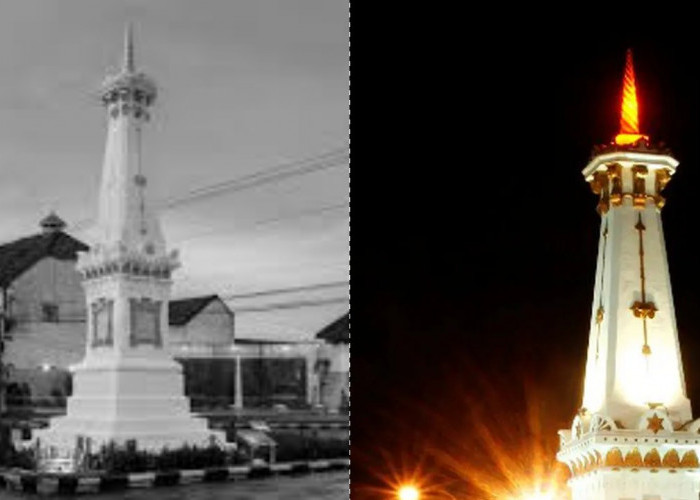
point(181, 311)
point(18, 256)
point(337, 332)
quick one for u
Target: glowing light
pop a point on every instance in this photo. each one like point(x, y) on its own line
point(538, 496)
point(45, 367)
point(408, 492)
point(629, 113)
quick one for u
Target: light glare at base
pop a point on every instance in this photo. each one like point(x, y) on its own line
point(538, 496)
point(408, 493)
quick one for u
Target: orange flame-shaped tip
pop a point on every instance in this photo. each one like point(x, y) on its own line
point(629, 116)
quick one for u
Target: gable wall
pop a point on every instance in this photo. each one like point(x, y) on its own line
point(49, 280)
point(213, 325)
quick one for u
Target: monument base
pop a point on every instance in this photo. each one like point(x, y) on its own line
point(118, 399)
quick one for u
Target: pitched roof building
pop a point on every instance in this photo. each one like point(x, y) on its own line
point(20, 255)
point(337, 332)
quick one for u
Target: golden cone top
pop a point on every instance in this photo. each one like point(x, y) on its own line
point(629, 112)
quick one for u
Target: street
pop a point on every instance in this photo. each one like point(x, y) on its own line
point(321, 486)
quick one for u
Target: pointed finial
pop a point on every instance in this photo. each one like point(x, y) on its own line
point(52, 223)
point(629, 112)
point(128, 63)
point(629, 118)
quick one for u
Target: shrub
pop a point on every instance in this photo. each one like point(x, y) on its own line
point(216, 474)
point(333, 448)
point(5, 444)
point(22, 459)
point(67, 484)
point(167, 478)
point(28, 483)
point(113, 483)
point(298, 446)
point(291, 446)
point(128, 459)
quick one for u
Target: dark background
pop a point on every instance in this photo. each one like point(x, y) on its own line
point(474, 234)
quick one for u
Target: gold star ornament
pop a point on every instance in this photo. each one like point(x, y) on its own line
point(655, 423)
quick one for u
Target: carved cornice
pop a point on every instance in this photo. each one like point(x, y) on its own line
point(608, 183)
point(643, 145)
point(596, 442)
point(99, 263)
point(633, 461)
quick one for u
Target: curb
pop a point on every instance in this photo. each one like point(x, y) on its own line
point(55, 484)
point(190, 476)
point(88, 484)
point(141, 479)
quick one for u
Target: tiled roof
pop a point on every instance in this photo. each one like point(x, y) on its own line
point(338, 331)
point(20, 255)
point(181, 311)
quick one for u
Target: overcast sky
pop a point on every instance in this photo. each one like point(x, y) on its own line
point(244, 86)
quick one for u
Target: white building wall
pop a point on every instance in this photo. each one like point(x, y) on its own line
point(49, 280)
point(336, 380)
point(32, 342)
point(289, 316)
point(56, 344)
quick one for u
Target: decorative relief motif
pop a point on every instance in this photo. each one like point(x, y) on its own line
point(601, 423)
point(145, 322)
point(600, 313)
point(639, 186)
point(136, 265)
point(615, 174)
point(608, 184)
point(633, 460)
point(690, 459)
point(613, 458)
point(671, 459)
point(102, 329)
point(599, 185)
point(643, 309)
point(129, 95)
point(655, 424)
point(652, 459)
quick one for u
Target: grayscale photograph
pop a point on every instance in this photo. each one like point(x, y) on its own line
point(174, 249)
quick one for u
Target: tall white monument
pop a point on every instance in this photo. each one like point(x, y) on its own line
point(634, 437)
point(127, 386)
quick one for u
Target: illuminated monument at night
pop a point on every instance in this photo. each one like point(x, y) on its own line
point(634, 437)
point(127, 387)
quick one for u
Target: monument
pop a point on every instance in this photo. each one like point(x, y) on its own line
point(127, 387)
point(634, 437)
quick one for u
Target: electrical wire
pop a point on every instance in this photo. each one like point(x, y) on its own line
point(265, 222)
point(289, 305)
point(278, 291)
point(331, 159)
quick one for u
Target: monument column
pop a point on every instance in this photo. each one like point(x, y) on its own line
point(634, 436)
point(127, 387)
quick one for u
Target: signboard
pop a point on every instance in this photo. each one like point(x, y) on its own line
point(145, 322)
point(102, 312)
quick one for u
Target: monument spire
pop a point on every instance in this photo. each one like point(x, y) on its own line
point(128, 386)
point(128, 61)
point(634, 394)
point(125, 218)
point(629, 107)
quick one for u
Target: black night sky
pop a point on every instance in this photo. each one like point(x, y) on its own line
point(474, 234)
